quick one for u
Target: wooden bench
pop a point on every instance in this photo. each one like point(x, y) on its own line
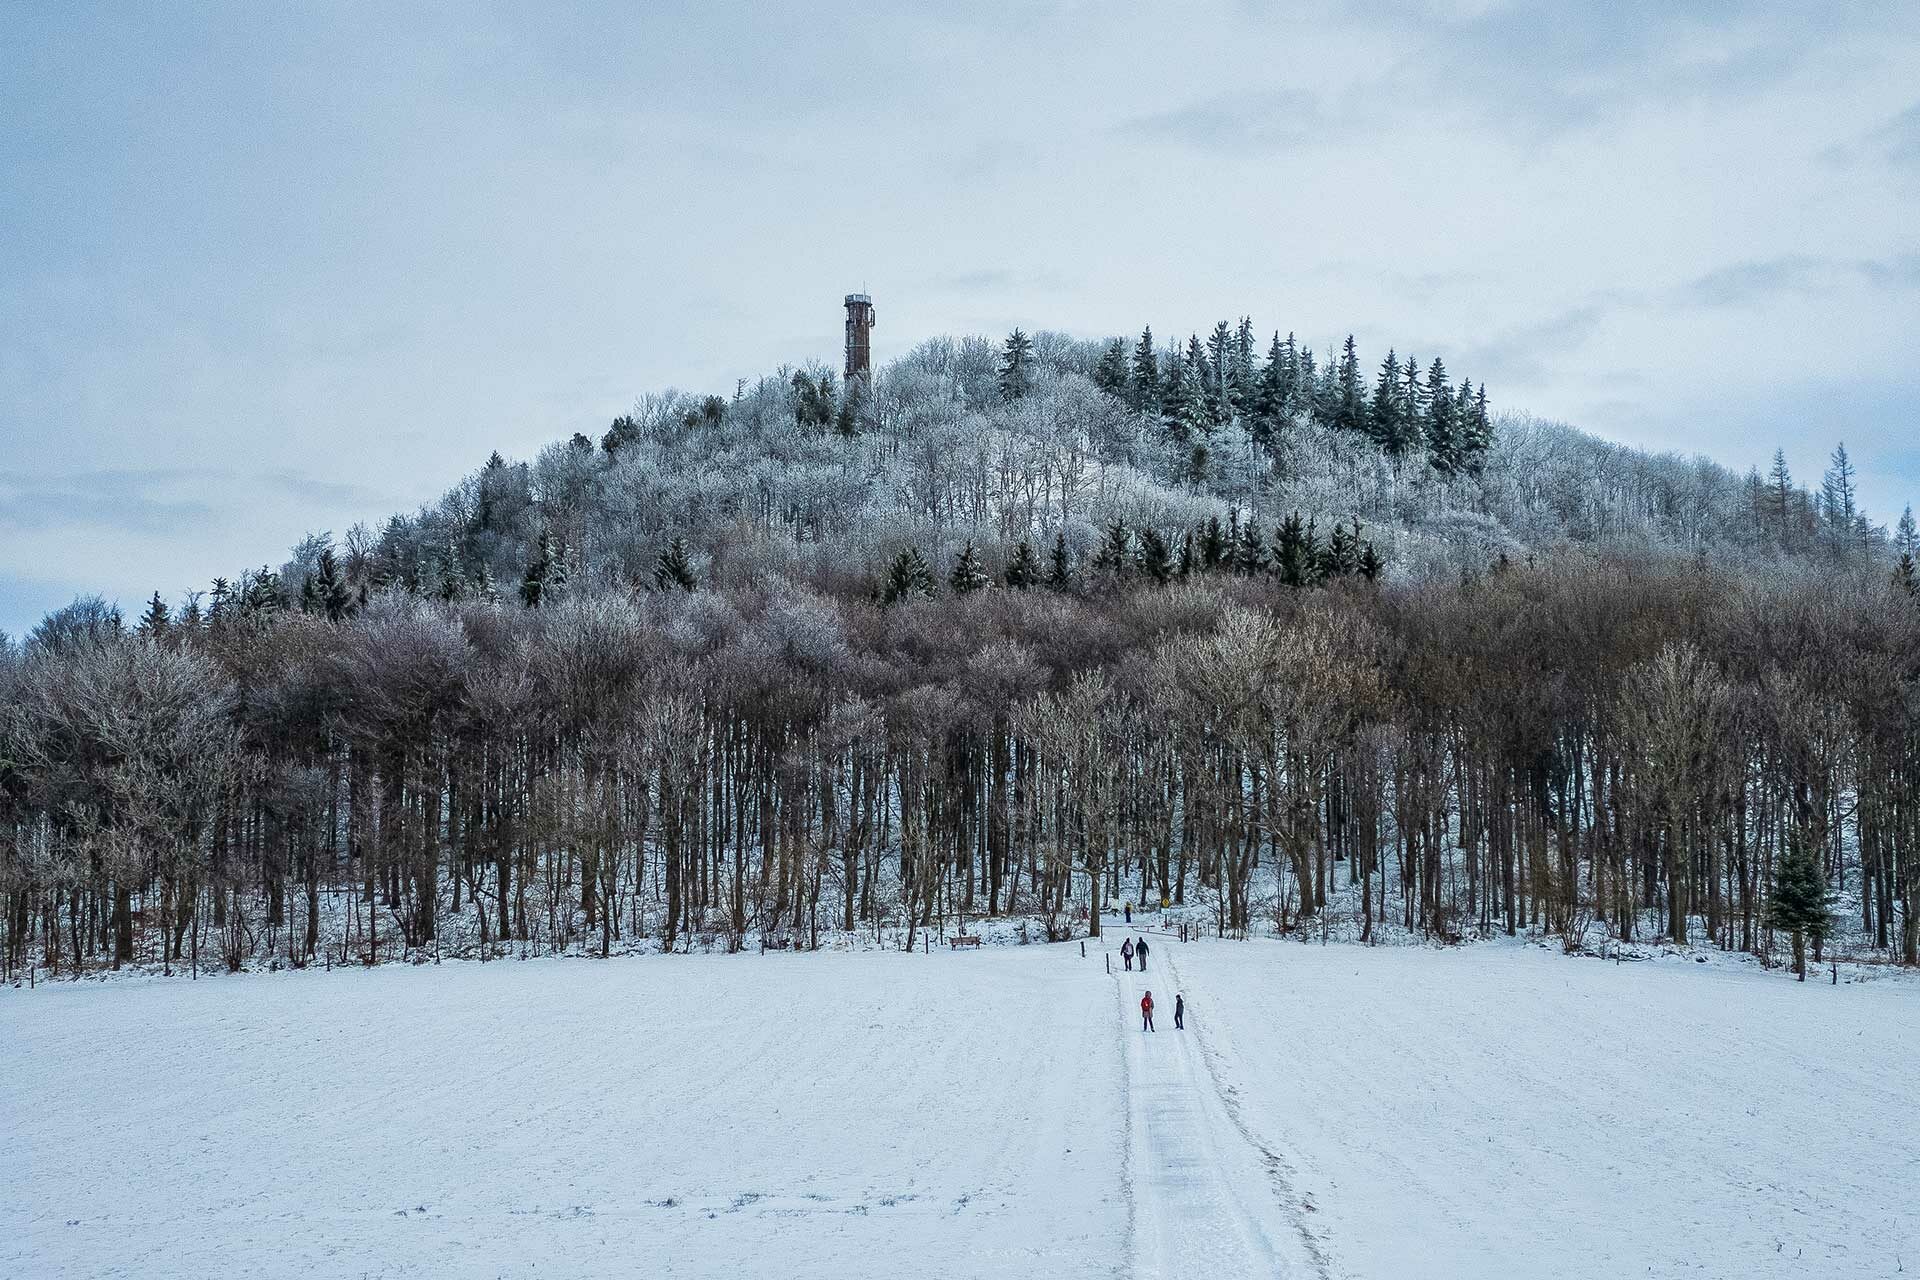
point(959, 940)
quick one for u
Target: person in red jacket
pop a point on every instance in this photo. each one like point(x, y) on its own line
point(1146, 1012)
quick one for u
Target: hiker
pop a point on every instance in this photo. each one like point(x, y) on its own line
point(1140, 950)
point(1146, 1012)
point(1126, 954)
point(1128, 908)
point(1179, 1012)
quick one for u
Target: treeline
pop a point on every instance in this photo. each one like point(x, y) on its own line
point(1585, 746)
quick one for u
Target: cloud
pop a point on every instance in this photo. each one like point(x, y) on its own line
point(1522, 354)
point(330, 493)
point(1896, 143)
point(1272, 121)
point(1898, 140)
point(1535, 71)
point(154, 500)
point(1750, 283)
point(140, 501)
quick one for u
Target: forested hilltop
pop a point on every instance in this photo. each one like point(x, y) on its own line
point(1018, 626)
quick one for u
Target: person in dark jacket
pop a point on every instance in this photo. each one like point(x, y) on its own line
point(1146, 1012)
point(1126, 954)
point(1140, 953)
point(1179, 1012)
point(1129, 910)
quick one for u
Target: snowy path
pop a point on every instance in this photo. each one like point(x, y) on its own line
point(1208, 1198)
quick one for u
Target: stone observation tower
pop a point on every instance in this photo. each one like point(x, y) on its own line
point(859, 325)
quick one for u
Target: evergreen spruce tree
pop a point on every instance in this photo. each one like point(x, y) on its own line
point(968, 574)
point(1205, 397)
point(1312, 554)
point(1110, 375)
point(1798, 903)
point(451, 580)
point(1325, 395)
point(908, 577)
point(1289, 552)
point(674, 567)
point(1219, 354)
point(1016, 366)
point(1386, 420)
point(330, 587)
point(1023, 570)
point(1905, 536)
point(481, 586)
point(1479, 435)
point(1371, 565)
point(1199, 466)
point(1443, 439)
point(1905, 576)
point(535, 583)
point(1413, 396)
point(1250, 553)
point(1219, 382)
point(559, 573)
point(1156, 559)
point(1213, 545)
point(854, 408)
point(1059, 564)
point(1341, 557)
point(1350, 410)
point(1116, 554)
point(1143, 385)
point(1195, 407)
point(156, 621)
point(1188, 561)
point(1174, 401)
point(261, 596)
point(814, 403)
point(1240, 369)
point(1268, 401)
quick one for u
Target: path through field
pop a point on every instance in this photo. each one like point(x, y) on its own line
point(1208, 1198)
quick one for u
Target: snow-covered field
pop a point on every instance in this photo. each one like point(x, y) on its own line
point(1331, 1111)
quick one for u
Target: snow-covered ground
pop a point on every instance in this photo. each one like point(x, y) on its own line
point(1330, 1111)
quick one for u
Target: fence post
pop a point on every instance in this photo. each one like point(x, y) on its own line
point(1083, 948)
point(1109, 962)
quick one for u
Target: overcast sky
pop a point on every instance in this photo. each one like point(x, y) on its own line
point(267, 269)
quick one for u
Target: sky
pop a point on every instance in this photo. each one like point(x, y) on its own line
point(272, 269)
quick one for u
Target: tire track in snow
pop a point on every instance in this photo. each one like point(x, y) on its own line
point(1280, 1173)
point(1191, 1160)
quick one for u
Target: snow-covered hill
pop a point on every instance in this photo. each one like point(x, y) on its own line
point(1333, 1111)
